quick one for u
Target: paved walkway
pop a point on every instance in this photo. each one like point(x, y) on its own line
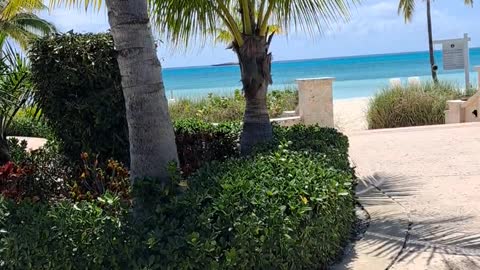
point(33, 143)
point(421, 187)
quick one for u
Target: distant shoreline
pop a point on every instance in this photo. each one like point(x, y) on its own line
point(225, 64)
point(316, 58)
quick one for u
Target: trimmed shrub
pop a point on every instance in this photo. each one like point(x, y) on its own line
point(79, 92)
point(199, 142)
point(63, 235)
point(411, 105)
point(290, 207)
point(281, 210)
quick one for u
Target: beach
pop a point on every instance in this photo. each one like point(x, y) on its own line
point(351, 114)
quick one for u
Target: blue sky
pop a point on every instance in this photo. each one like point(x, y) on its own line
point(374, 28)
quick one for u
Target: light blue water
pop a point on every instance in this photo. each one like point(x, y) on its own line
point(356, 76)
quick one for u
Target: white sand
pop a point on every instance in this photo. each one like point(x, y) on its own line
point(350, 114)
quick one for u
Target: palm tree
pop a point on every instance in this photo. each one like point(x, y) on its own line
point(151, 136)
point(182, 20)
point(19, 23)
point(407, 8)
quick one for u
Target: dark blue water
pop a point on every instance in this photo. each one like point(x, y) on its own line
point(356, 76)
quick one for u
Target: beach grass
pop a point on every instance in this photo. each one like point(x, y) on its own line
point(412, 105)
point(215, 108)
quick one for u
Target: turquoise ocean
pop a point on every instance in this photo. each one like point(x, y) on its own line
point(356, 76)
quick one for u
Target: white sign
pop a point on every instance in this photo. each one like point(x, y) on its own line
point(453, 55)
point(456, 55)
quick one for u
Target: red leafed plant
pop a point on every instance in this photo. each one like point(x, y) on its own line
point(11, 181)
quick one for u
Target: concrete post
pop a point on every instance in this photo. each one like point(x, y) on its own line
point(455, 113)
point(315, 98)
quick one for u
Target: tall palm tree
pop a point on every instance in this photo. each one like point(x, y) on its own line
point(183, 20)
point(19, 23)
point(151, 136)
point(407, 8)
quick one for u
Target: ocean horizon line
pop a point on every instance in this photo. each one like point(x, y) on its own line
point(229, 64)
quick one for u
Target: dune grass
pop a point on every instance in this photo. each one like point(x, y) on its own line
point(413, 105)
point(216, 108)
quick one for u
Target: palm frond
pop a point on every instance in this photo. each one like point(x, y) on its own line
point(17, 34)
point(15, 87)
point(406, 8)
point(85, 4)
point(33, 23)
point(11, 8)
point(184, 20)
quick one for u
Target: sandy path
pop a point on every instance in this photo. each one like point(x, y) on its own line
point(350, 114)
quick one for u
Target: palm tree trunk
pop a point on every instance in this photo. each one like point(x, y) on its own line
point(151, 135)
point(255, 65)
point(4, 151)
point(430, 42)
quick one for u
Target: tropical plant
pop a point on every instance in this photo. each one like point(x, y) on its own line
point(407, 8)
point(19, 23)
point(15, 92)
point(151, 135)
point(182, 21)
point(413, 105)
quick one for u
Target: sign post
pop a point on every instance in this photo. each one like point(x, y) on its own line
point(456, 55)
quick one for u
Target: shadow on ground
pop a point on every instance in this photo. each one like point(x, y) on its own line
point(412, 242)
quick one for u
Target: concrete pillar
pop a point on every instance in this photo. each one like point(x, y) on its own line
point(455, 113)
point(477, 68)
point(315, 101)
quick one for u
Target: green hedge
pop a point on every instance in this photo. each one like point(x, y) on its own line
point(290, 207)
point(62, 236)
point(28, 127)
point(199, 142)
point(79, 92)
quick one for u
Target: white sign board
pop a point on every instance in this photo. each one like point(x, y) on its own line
point(453, 55)
point(456, 55)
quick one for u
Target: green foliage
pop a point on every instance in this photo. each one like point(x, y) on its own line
point(18, 150)
point(223, 109)
point(21, 24)
point(200, 142)
point(62, 235)
point(283, 208)
point(79, 93)
point(15, 87)
point(412, 105)
point(38, 175)
point(26, 124)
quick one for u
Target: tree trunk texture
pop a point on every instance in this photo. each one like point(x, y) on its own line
point(151, 135)
point(255, 65)
point(4, 151)
point(430, 42)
